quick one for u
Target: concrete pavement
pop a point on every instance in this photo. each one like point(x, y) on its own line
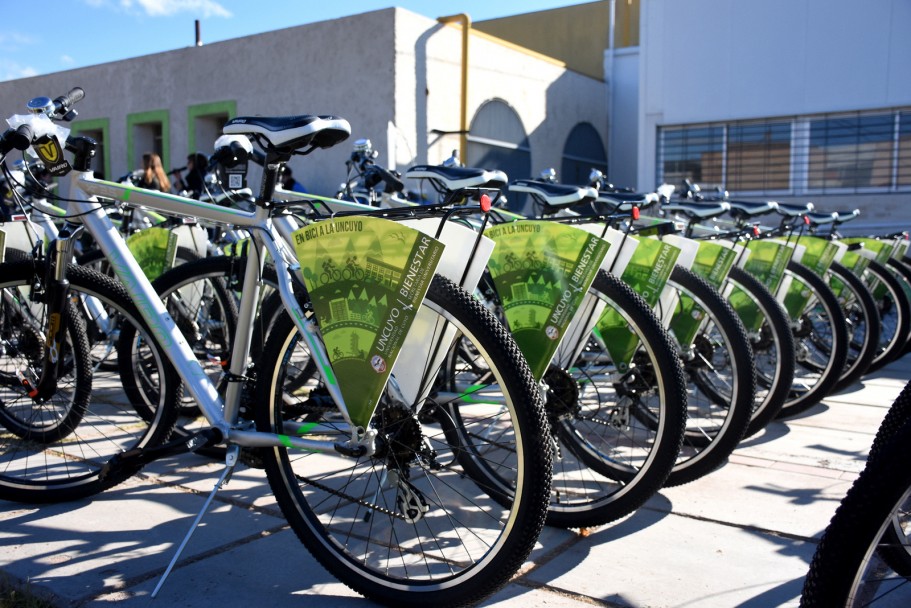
point(742, 536)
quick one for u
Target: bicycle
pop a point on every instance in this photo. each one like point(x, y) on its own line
point(765, 320)
point(380, 472)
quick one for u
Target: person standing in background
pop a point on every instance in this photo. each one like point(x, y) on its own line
point(153, 176)
point(288, 182)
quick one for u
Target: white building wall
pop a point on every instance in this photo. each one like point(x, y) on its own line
point(342, 67)
point(716, 60)
point(624, 122)
point(549, 99)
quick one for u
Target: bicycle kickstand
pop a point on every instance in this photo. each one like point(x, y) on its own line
point(230, 463)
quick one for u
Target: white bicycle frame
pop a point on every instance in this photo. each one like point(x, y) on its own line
point(221, 415)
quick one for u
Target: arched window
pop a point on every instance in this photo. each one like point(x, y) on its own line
point(583, 152)
point(497, 140)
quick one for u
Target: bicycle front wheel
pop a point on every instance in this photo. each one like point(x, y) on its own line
point(411, 524)
point(50, 468)
point(862, 559)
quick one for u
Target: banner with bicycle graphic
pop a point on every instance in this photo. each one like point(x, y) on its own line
point(541, 271)
point(367, 278)
point(647, 273)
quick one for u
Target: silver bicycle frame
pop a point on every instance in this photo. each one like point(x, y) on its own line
point(222, 415)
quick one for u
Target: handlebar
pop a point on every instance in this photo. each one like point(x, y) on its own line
point(59, 108)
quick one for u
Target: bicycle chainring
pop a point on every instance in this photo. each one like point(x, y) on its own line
point(562, 393)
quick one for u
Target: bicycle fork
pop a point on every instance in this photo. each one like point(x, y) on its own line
point(56, 291)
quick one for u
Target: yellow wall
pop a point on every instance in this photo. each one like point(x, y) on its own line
point(576, 35)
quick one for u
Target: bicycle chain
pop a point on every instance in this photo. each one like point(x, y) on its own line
point(358, 501)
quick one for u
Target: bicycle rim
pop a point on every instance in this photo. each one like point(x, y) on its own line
point(412, 525)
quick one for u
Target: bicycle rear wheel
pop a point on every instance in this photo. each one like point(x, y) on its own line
point(902, 271)
point(68, 467)
point(198, 296)
point(617, 427)
point(894, 312)
point(864, 326)
point(410, 525)
point(103, 336)
point(721, 377)
point(821, 339)
point(772, 344)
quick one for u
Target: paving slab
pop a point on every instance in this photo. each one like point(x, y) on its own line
point(81, 549)
point(799, 504)
point(680, 561)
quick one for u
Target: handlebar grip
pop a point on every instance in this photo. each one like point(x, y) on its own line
point(393, 183)
point(23, 137)
point(64, 102)
point(16, 139)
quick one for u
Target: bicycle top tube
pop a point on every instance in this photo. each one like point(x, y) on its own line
point(166, 203)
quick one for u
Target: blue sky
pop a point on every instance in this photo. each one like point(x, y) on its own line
point(60, 35)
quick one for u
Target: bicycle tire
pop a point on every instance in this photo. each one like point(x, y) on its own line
point(25, 349)
point(903, 271)
point(197, 296)
point(894, 312)
point(896, 549)
point(821, 340)
point(610, 462)
point(721, 376)
point(864, 325)
point(406, 572)
point(773, 351)
point(905, 263)
point(848, 567)
point(104, 343)
point(75, 467)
